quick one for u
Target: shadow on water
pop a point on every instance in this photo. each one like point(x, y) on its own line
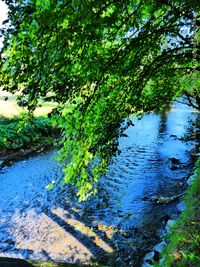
point(100, 254)
point(163, 123)
point(115, 227)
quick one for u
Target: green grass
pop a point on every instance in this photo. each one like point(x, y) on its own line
point(184, 240)
point(10, 108)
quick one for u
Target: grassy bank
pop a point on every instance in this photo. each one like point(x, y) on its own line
point(22, 132)
point(18, 130)
point(184, 240)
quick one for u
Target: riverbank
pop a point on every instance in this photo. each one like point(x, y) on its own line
point(184, 238)
point(21, 136)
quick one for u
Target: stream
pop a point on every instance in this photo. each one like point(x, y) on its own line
point(118, 225)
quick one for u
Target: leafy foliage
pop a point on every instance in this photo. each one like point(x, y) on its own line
point(22, 132)
point(101, 61)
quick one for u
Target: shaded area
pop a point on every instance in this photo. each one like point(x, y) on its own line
point(99, 253)
point(9, 262)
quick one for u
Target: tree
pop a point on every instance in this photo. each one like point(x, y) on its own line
point(101, 61)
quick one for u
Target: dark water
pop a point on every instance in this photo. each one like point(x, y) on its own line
point(38, 224)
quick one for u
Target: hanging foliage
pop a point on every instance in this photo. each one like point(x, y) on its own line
point(101, 61)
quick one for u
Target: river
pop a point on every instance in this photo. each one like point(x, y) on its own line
point(118, 225)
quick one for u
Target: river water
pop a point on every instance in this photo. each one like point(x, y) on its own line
point(119, 224)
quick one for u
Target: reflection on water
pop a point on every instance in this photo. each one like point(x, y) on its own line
point(38, 224)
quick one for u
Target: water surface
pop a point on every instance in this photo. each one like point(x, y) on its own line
point(40, 224)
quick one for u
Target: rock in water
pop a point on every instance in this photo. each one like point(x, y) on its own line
point(159, 247)
point(180, 206)
point(175, 161)
point(170, 223)
point(165, 200)
point(149, 256)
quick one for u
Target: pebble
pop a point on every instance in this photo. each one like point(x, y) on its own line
point(170, 223)
point(149, 256)
point(180, 206)
point(159, 247)
point(161, 261)
point(191, 179)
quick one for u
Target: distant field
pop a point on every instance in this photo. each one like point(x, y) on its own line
point(9, 107)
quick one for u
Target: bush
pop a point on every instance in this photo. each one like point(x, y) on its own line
point(23, 131)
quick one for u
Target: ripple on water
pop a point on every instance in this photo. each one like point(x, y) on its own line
point(38, 224)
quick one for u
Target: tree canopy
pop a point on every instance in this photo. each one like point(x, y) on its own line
point(101, 61)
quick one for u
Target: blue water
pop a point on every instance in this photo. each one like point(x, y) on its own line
point(144, 168)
